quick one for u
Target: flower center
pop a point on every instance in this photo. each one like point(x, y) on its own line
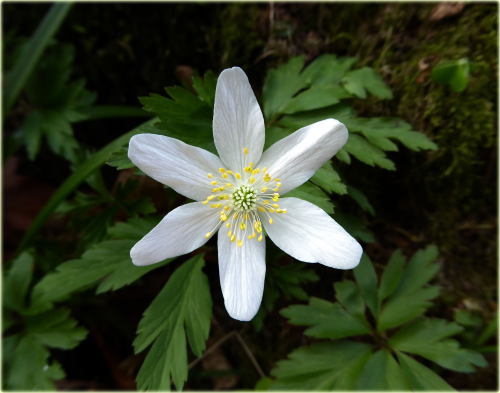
point(244, 200)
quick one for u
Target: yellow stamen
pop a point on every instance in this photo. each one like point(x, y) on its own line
point(251, 180)
point(263, 189)
point(205, 202)
point(210, 197)
point(260, 238)
point(243, 226)
point(237, 176)
point(240, 243)
point(208, 234)
point(213, 182)
point(209, 175)
point(261, 209)
point(245, 150)
point(270, 220)
point(222, 170)
point(215, 205)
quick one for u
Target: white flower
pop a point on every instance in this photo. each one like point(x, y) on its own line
point(239, 195)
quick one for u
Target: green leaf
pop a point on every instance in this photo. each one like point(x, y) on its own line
point(361, 199)
point(183, 116)
point(311, 193)
point(183, 307)
point(79, 175)
point(106, 265)
point(421, 377)
point(453, 73)
point(426, 338)
point(318, 96)
point(322, 366)
point(391, 275)
point(395, 376)
point(280, 85)
point(355, 226)
point(365, 79)
point(374, 374)
point(327, 69)
point(326, 319)
point(31, 53)
point(31, 133)
point(17, 282)
point(327, 178)
point(348, 295)
point(205, 87)
point(365, 152)
point(381, 131)
point(119, 159)
point(366, 279)
point(55, 329)
point(30, 368)
point(411, 298)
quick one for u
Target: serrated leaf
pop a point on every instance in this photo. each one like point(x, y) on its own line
point(119, 159)
point(374, 373)
point(348, 295)
point(326, 319)
point(318, 96)
point(327, 178)
point(366, 280)
point(361, 199)
point(17, 282)
point(184, 116)
point(380, 131)
point(55, 329)
point(280, 85)
point(391, 275)
point(421, 377)
point(322, 366)
point(183, 308)
point(311, 193)
point(365, 79)
point(106, 265)
point(365, 152)
point(327, 69)
point(395, 376)
point(426, 338)
point(30, 368)
point(32, 133)
point(205, 87)
point(355, 226)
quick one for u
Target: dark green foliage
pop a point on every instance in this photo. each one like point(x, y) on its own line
point(452, 73)
point(106, 265)
point(400, 301)
point(180, 313)
point(29, 333)
point(57, 102)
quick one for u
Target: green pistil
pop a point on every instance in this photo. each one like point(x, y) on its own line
point(244, 198)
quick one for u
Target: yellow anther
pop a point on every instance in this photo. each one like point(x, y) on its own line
point(246, 217)
point(233, 237)
point(229, 172)
point(278, 184)
point(251, 180)
point(264, 169)
point(222, 170)
point(248, 169)
point(250, 165)
point(265, 202)
point(229, 185)
point(258, 226)
point(222, 197)
point(245, 150)
point(255, 171)
point(205, 202)
point(276, 189)
point(276, 197)
point(223, 217)
point(213, 182)
point(209, 175)
point(215, 205)
point(210, 197)
point(216, 189)
point(229, 234)
point(277, 180)
point(253, 235)
point(267, 178)
point(226, 208)
point(228, 225)
point(243, 226)
point(240, 243)
point(263, 189)
point(275, 205)
point(261, 209)
point(224, 175)
point(271, 210)
point(208, 234)
point(237, 176)
point(260, 238)
point(270, 220)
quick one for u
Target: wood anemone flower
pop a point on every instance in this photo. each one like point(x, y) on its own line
point(238, 195)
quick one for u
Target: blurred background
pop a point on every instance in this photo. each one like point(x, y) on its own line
point(447, 197)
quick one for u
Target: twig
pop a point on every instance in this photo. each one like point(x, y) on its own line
point(250, 355)
point(211, 349)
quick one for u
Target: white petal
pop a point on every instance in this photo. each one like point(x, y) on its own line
point(308, 234)
point(172, 162)
point(238, 122)
point(242, 271)
point(180, 232)
point(294, 159)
